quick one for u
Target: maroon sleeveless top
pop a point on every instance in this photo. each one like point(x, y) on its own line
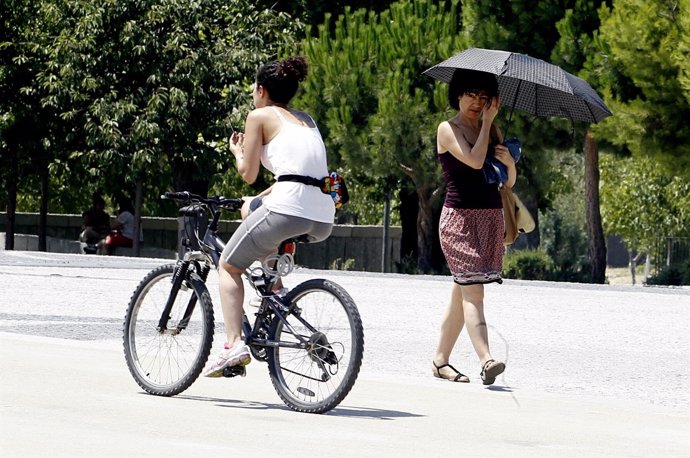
point(466, 187)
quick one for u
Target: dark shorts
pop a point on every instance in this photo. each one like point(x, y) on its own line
point(472, 242)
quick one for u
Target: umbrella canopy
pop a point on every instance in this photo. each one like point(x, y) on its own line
point(529, 84)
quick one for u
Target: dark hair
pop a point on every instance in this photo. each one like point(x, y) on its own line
point(281, 78)
point(97, 198)
point(124, 202)
point(465, 81)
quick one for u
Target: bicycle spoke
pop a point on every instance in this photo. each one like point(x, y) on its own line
point(167, 362)
point(317, 378)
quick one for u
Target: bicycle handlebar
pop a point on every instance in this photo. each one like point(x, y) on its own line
point(212, 201)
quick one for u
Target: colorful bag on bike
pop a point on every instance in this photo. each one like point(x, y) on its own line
point(332, 184)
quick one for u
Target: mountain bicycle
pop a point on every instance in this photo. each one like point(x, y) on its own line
point(311, 337)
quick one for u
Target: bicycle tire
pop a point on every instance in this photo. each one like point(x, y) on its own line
point(166, 364)
point(337, 346)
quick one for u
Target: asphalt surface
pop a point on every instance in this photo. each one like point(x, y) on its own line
point(591, 371)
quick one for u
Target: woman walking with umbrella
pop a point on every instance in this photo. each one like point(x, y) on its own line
point(471, 226)
point(471, 222)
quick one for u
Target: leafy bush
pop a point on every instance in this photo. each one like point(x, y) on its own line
point(564, 241)
point(343, 264)
point(528, 265)
point(673, 275)
point(408, 265)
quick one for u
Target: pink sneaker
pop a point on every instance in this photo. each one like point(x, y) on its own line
point(236, 356)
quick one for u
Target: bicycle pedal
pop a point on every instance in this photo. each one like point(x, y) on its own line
point(234, 371)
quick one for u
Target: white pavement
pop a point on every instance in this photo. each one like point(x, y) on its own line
point(591, 371)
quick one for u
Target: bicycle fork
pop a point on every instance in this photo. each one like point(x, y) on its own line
point(179, 276)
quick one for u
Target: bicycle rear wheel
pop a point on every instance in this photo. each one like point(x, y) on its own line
point(316, 379)
point(166, 362)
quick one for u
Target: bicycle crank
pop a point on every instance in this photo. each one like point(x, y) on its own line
point(234, 371)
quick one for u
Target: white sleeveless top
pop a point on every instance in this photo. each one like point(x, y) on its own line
point(297, 150)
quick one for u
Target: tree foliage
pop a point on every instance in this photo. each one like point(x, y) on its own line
point(563, 227)
point(523, 26)
point(377, 111)
point(25, 125)
point(150, 90)
point(106, 93)
point(645, 79)
point(641, 202)
point(314, 13)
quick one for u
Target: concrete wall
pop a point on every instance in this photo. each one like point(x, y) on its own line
point(362, 246)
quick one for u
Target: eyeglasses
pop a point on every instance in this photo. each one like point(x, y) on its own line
point(481, 97)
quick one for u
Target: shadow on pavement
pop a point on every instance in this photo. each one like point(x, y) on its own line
point(500, 389)
point(355, 412)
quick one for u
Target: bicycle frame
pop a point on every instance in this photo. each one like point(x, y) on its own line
point(212, 247)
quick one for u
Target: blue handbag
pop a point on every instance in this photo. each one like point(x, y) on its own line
point(494, 170)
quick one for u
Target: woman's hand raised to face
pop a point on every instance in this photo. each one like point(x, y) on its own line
point(491, 109)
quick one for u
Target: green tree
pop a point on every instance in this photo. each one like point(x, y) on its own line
point(27, 128)
point(154, 86)
point(643, 203)
point(563, 226)
point(377, 111)
point(682, 50)
point(314, 13)
point(577, 31)
point(646, 84)
point(523, 26)
point(123, 92)
point(643, 83)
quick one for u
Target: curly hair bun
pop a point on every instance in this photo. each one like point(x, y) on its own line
point(295, 67)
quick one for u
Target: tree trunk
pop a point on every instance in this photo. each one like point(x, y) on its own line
point(647, 268)
point(533, 239)
point(425, 231)
point(43, 215)
point(632, 264)
point(138, 198)
point(409, 211)
point(595, 232)
point(12, 185)
point(386, 245)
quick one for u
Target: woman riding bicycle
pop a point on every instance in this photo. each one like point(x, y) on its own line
point(286, 142)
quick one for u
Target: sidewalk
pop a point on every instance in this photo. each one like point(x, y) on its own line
point(591, 371)
point(81, 402)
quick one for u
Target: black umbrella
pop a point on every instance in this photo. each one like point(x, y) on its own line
point(529, 84)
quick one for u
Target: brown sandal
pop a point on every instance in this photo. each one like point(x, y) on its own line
point(491, 370)
point(462, 378)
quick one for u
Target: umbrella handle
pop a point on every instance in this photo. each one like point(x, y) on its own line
point(512, 108)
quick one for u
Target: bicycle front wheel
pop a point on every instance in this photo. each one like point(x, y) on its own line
point(167, 361)
point(317, 378)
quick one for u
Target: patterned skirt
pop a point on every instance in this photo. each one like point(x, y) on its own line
point(472, 242)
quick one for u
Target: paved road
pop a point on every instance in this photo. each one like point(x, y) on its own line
point(592, 371)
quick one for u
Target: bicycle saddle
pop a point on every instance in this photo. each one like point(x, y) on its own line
point(304, 238)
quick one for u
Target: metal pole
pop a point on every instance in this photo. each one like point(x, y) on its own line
point(386, 255)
